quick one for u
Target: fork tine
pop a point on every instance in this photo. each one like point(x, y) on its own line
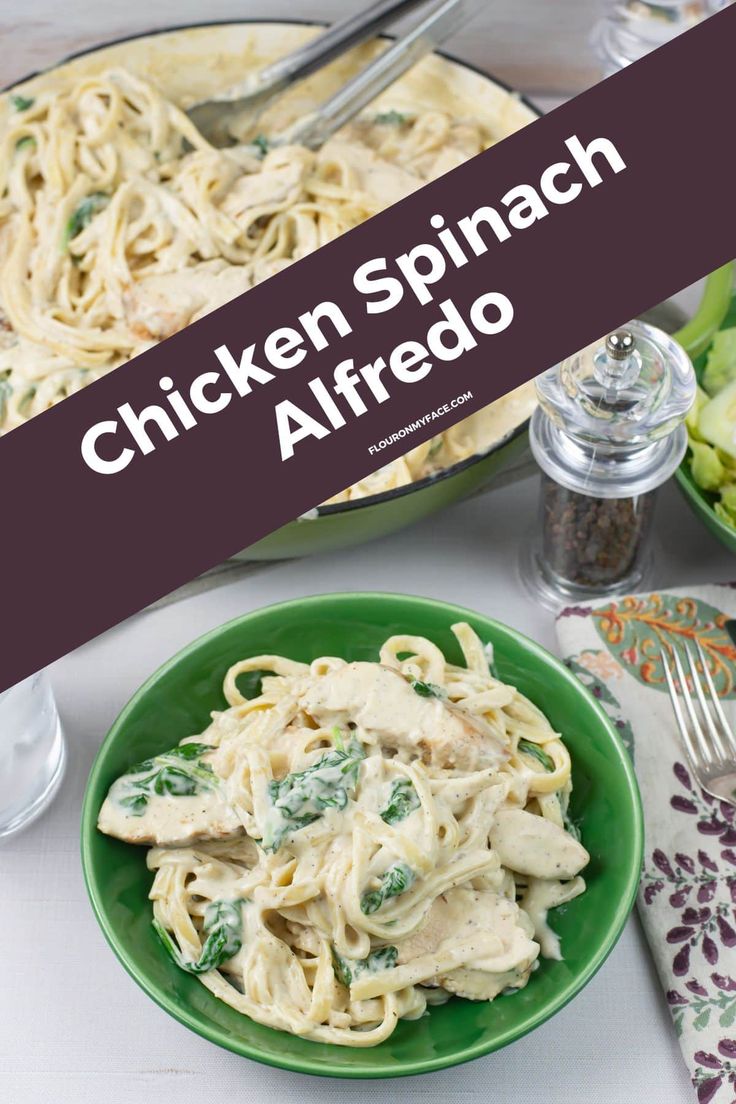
point(679, 716)
point(706, 752)
point(713, 732)
point(727, 736)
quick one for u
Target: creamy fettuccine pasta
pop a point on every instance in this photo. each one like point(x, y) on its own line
point(120, 225)
point(359, 840)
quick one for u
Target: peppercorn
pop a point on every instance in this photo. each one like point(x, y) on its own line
point(593, 542)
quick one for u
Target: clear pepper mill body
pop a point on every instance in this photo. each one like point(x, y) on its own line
point(607, 433)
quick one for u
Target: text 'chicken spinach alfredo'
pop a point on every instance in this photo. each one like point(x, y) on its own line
point(359, 841)
point(120, 225)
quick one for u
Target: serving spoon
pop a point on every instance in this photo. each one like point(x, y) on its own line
point(211, 117)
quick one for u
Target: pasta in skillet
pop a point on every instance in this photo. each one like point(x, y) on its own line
point(358, 841)
point(120, 225)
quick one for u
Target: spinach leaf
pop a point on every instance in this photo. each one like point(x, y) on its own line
point(428, 689)
point(25, 143)
point(343, 969)
point(382, 959)
point(187, 752)
point(190, 751)
point(174, 782)
point(22, 103)
point(262, 145)
point(85, 212)
point(394, 118)
point(223, 926)
point(135, 803)
point(175, 773)
point(397, 879)
point(528, 747)
point(402, 800)
point(348, 970)
point(302, 797)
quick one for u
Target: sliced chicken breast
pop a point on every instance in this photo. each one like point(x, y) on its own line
point(533, 845)
point(171, 800)
point(459, 917)
point(382, 703)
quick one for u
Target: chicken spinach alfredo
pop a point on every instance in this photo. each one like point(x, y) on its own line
point(120, 224)
point(359, 841)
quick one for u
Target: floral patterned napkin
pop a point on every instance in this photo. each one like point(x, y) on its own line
point(687, 895)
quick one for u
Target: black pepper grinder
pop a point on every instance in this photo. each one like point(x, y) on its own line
point(607, 433)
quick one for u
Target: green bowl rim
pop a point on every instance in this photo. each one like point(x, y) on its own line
point(698, 501)
point(315, 1067)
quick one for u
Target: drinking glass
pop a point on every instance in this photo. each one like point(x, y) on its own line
point(32, 752)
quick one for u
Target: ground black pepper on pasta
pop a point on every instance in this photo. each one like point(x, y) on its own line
point(593, 541)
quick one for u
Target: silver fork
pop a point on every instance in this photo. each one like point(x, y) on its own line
point(709, 740)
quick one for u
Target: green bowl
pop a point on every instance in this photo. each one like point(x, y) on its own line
point(723, 314)
point(176, 701)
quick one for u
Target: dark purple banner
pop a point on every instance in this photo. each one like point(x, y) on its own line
point(305, 384)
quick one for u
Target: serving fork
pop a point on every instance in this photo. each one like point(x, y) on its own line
point(707, 736)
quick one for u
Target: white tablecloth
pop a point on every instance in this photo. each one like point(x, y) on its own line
point(77, 1030)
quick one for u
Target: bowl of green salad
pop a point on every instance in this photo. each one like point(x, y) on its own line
point(707, 476)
